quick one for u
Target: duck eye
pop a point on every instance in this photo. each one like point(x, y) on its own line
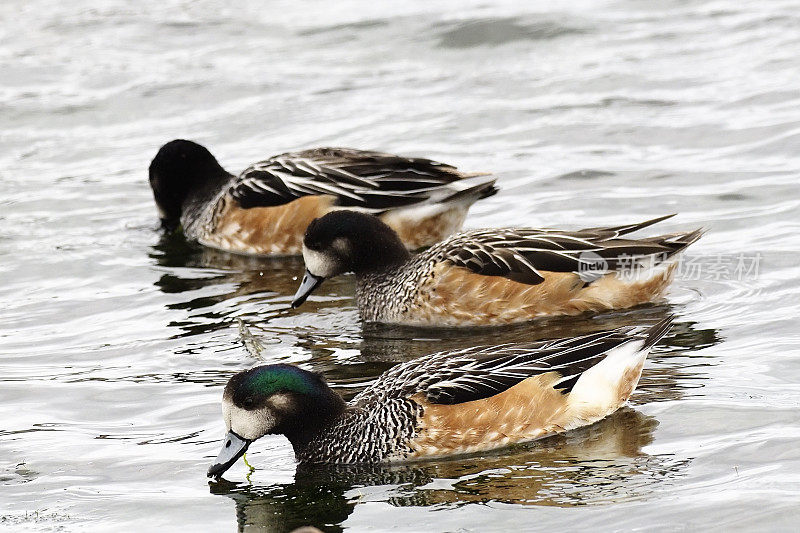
point(249, 402)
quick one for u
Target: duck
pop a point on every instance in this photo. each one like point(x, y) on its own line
point(489, 277)
point(449, 403)
point(265, 209)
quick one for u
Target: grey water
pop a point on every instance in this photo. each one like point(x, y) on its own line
point(116, 340)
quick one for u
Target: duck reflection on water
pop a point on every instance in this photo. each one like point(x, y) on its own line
point(599, 464)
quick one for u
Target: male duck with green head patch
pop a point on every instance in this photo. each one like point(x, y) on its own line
point(280, 399)
point(449, 403)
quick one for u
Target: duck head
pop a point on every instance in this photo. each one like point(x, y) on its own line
point(273, 399)
point(181, 170)
point(347, 241)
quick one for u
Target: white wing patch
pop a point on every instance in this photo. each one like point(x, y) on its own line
point(598, 388)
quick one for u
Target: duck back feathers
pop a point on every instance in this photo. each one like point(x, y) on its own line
point(369, 180)
point(483, 398)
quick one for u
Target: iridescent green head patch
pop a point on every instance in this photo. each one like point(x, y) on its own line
point(247, 389)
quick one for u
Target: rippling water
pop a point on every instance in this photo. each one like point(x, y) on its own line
point(116, 341)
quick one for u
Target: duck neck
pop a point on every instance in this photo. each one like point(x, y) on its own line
point(312, 420)
point(207, 187)
point(376, 255)
point(196, 207)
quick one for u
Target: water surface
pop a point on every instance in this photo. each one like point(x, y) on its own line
point(116, 341)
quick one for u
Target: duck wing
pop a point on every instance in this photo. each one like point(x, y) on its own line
point(356, 178)
point(523, 255)
point(480, 372)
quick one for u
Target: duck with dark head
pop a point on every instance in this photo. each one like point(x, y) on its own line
point(265, 209)
point(184, 177)
point(347, 242)
point(281, 399)
point(465, 401)
point(492, 276)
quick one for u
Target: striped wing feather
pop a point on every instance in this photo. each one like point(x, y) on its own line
point(356, 178)
point(523, 254)
point(480, 372)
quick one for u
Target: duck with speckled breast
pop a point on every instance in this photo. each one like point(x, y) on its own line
point(489, 277)
point(450, 403)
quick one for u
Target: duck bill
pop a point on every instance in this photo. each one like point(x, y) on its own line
point(307, 286)
point(233, 447)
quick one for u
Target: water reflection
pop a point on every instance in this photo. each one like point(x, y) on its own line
point(603, 463)
point(674, 367)
point(272, 282)
point(195, 267)
point(280, 508)
point(666, 377)
point(383, 342)
point(218, 284)
point(220, 287)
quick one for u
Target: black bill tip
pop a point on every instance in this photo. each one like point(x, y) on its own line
point(233, 447)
